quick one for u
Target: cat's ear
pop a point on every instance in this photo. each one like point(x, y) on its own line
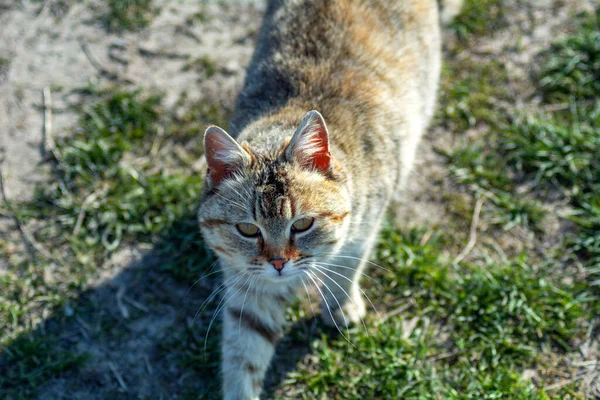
point(224, 156)
point(310, 144)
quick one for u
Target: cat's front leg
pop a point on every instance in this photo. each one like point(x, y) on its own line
point(249, 338)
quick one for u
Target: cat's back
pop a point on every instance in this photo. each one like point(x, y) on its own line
point(321, 53)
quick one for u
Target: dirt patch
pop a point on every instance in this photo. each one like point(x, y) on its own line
point(68, 53)
point(133, 321)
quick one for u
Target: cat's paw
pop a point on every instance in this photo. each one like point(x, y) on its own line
point(351, 313)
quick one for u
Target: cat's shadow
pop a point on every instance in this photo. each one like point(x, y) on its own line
point(139, 334)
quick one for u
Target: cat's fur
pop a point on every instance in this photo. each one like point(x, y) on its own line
point(371, 68)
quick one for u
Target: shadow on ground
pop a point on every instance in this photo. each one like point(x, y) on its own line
point(137, 334)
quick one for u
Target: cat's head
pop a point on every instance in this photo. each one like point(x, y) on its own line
point(270, 213)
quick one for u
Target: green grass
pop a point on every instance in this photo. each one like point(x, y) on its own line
point(128, 15)
point(115, 183)
point(204, 66)
point(4, 65)
point(472, 88)
point(479, 17)
point(451, 329)
point(572, 65)
point(556, 153)
point(476, 325)
point(32, 360)
point(110, 187)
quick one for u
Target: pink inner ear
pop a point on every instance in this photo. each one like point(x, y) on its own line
point(217, 173)
point(322, 162)
point(223, 155)
point(311, 148)
point(321, 159)
point(217, 169)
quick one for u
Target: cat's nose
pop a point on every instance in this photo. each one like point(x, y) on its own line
point(278, 262)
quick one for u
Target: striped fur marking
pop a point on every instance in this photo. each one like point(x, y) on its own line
point(253, 322)
point(212, 223)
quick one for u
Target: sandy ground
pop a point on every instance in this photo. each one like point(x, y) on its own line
point(61, 47)
point(67, 48)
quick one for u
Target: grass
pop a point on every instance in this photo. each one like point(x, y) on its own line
point(109, 191)
point(478, 18)
point(4, 65)
point(502, 323)
point(572, 65)
point(32, 360)
point(128, 15)
point(204, 66)
point(472, 327)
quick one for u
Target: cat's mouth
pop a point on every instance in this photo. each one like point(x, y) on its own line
point(282, 276)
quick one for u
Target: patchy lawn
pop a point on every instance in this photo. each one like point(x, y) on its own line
point(105, 285)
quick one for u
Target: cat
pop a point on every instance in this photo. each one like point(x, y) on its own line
point(324, 135)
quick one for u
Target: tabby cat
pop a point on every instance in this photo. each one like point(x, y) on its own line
point(295, 199)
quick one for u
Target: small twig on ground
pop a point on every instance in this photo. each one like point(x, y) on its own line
point(86, 203)
point(561, 384)
point(444, 356)
point(84, 327)
point(117, 375)
point(120, 294)
point(156, 142)
point(184, 30)
point(48, 142)
point(473, 233)
point(103, 71)
point(394, 312)
point(29, 241)
point(148, 365)
point(137, 305)
point(556, 107)
point(162, 54)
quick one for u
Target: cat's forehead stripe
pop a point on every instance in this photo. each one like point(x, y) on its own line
point(273, 194)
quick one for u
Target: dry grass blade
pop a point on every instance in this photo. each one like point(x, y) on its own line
point(31, 244)
point(473, 232)
point(117, 375)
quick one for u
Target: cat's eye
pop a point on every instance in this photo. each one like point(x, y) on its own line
point(248, 230)
point(303, 224)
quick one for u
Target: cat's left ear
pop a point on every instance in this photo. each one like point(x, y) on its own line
point(310, 144)
point(224, 155)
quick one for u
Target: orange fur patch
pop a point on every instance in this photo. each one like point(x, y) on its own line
point(336, 218)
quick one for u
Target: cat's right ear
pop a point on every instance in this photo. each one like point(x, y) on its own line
point(224, 156)
point(309, 145)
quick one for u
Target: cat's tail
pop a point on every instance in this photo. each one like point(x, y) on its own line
point(449, 9)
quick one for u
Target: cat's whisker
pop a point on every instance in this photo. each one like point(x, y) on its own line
point(308, 295)
point(214, 293)
point(236, 192)
point(346, 293)
point(353, 269)
point(310, 275)
point(235, 203)
point(206, 275)
point(254, 277)
point(336, 300)
point(220, 308)
point(359, 288)
point(339, 308)
point(356, 258)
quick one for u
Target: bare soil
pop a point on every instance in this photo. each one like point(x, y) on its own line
point(134, 310)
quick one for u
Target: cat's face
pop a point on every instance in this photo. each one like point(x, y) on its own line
point(270, 216)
